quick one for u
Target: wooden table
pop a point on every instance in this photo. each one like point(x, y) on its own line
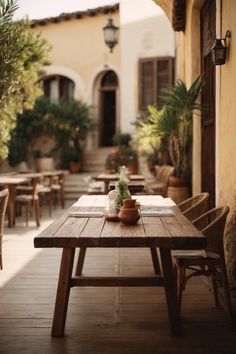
point(11, 183)
point(110, 177)
point(134, 186)
point(165, 233)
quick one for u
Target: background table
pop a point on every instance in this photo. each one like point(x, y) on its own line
point(110, 177)
point(11, 183)
point(70, 232)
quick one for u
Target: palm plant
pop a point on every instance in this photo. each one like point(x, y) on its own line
point(175, 122)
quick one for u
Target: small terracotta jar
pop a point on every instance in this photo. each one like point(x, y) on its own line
point(129, 215)
point(129, 203)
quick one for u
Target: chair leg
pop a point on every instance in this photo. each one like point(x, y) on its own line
point(27, 214)
point(214, 287)
point(180, 283)
point(37, 212)
point(50, 203)
point(80, 262)
point(62, 194)
point(227, 296)
point(155, 260)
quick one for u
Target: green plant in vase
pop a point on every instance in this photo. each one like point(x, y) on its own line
point(122, 190)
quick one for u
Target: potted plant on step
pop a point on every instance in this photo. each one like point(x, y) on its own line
point(71, 158)
point(175, 122)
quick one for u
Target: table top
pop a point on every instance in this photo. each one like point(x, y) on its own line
point(42, 174)
point(115, 176)
point(11, 180)
point(175, 232)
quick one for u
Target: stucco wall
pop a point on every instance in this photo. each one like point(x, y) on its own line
point(78, 46)
point(147, 33)
point(227, 132)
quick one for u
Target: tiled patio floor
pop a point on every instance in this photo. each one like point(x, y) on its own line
point(100, 320)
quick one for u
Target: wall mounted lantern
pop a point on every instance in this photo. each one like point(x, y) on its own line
point(110, 34)
point(219, 50)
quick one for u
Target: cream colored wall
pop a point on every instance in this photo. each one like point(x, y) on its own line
point(227, 127)
point(79, 52)
point(188, 67)
point(142, 35)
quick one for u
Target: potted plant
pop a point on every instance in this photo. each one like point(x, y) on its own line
point(124, 155)
point(174, 122)
point(71, 158)
point(122, 190)
point(43, 161)
point(129, 158)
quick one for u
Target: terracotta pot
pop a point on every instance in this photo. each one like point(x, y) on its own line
point(177, 182)
point(129, 203)
point(178, 194)
point(44, 164)
point(129, 216)
point(133, 167)
point(74, 167)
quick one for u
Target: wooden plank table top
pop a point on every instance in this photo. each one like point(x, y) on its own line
point(11, 182)
point(164, 233)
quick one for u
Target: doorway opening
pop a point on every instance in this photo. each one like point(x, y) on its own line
point(108, 103)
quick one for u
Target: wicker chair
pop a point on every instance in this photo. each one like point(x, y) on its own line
point(160, 185)
point(3, 205)
point(211, 261)
point(195, 206)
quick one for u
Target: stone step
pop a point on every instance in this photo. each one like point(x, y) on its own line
point(75, 185)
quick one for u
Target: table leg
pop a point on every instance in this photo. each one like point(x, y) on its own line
point(170, 284)
point(63, 292)
point(80, 262)
point(11, 205)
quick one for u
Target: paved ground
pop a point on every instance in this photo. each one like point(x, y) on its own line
point(100, 320)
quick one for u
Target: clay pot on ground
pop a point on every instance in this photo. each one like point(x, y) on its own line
point(44, 164)
point(178, 189)
point(74, 166)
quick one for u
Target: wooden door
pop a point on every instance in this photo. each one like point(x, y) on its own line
point(208, 35)
point(109, 85)
point(108, 124)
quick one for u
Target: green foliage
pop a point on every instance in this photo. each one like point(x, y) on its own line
point(120, 139)
point(175, 123)
point(68, 122)
point(22, 55)
point(73, 122)
point(124, 155)
point(121, 187)
point(70, 154)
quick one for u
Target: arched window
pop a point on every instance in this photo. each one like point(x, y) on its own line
point(58, 88)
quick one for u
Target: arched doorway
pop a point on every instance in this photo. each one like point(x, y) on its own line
point(108, 102)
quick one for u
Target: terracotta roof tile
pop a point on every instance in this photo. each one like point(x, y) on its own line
point(78, 14)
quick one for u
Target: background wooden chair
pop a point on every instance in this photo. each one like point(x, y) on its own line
point(45, 192)
point(3, 205)
point(29, 198)
point(211, 262)
point(195, 206)
point(58, 187)
point(160, 185)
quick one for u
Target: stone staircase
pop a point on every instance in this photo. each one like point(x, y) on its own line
point(75, 185)
point(94, 161)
